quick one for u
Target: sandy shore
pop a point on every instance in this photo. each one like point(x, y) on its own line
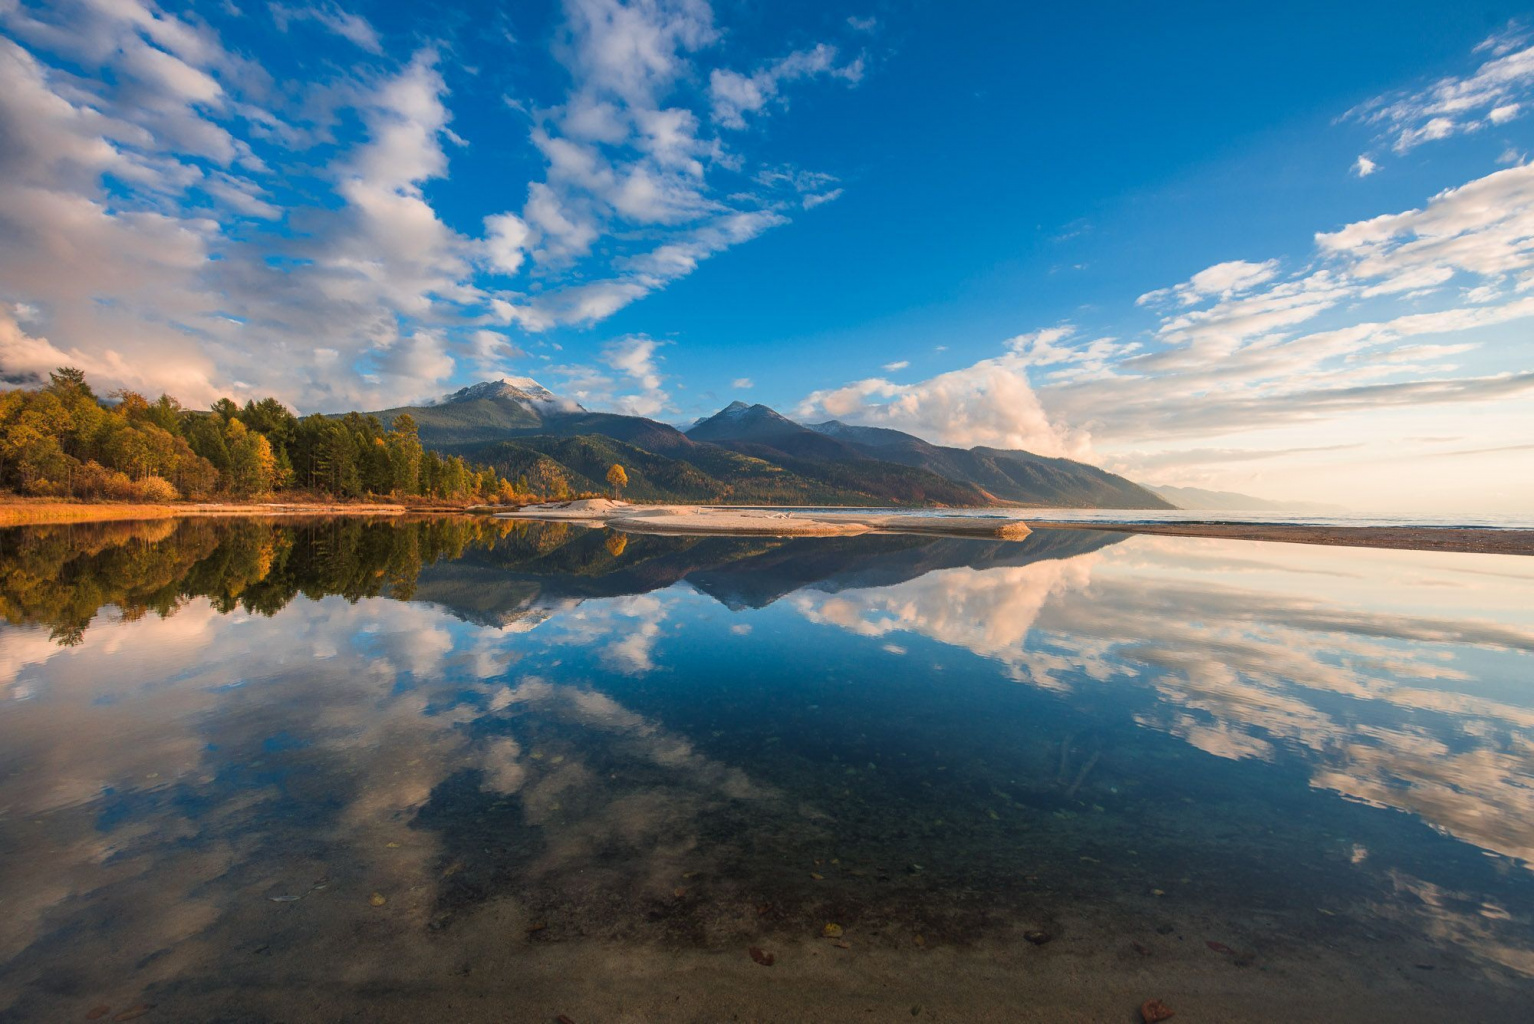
point(701, 519)
point(748, 522)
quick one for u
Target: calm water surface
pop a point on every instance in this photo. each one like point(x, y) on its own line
point(470, 770)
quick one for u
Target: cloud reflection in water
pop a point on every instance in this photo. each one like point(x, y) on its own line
point(533, 724)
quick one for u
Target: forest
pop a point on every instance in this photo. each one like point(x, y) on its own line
point(63, 440)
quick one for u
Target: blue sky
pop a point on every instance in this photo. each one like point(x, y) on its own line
point(1287, 251)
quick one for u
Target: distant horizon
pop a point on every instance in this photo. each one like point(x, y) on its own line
point(956, 222)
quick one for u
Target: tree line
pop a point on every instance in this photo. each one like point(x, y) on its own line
point(63, 440)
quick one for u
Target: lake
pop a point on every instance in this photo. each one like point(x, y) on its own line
point(467, 769)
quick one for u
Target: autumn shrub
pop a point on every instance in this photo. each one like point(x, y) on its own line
point(155, 488)
point(90, 480)
point(93, 480)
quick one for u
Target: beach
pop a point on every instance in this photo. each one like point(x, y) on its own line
point(760, 522)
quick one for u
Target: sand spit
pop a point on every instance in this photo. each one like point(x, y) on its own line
point(748, 522)
point(704, 519)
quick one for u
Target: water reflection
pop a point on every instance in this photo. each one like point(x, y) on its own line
point(1401, 707)
point(456, 754)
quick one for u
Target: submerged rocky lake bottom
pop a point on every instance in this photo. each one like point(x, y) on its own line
point(467, 769)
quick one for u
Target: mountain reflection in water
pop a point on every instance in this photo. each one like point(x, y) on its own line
point(259, 770)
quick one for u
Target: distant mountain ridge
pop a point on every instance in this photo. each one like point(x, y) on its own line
point(1230, 501)
point(762, 433)
point(745, 454)
point(1008, 475)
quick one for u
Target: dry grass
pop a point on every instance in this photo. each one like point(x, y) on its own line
point(31, 511)
point(20, 511)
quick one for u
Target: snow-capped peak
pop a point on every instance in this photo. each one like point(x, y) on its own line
point(517, 389)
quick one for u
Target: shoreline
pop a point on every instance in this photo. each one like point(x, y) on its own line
point(787, 521)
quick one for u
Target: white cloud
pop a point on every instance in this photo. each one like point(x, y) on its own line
point(1488, 97)
point(320, 270)
point(187, 295)
point(900, 364)
point(818, 199)
point(742, 383)
point(1040, 346)
point(506, 237)
point(343, 23)
point(1504, 113)
point(637, 275)
point(421, 356)
point(1243, 349)
point(1222, 280)
point(813, 187)
point(990, 403)
point(490, 351)
point(623, 153)
point(795, 178)
point(1388, 321)
point(1484, 227)
point(637, 390)
point(734, 95)
point(1363, 166)
point(636, 358)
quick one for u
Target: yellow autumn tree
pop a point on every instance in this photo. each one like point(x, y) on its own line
point(617, 479)
point(252, 467)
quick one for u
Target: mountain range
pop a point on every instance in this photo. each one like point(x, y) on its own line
point(1231, 501)
point(746, 454)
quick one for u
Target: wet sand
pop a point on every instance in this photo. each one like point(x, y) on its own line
point(382, 966)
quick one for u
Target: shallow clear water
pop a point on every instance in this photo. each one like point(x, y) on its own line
point(506, 771)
